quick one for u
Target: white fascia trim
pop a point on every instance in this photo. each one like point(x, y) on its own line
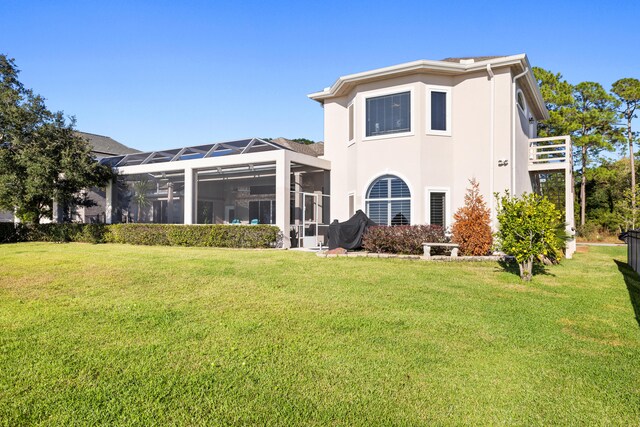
point(421, 65)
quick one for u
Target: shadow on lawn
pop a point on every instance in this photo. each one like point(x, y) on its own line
point(632, 280)
point(512, 267)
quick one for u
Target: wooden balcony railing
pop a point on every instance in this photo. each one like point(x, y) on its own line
point(550, 153)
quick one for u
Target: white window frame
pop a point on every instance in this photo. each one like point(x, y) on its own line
point(411, 198)
point(448, 91)
point(351, 194)
point(384, 92)
point(352, 104)
point(448, 217)
point(524, 110)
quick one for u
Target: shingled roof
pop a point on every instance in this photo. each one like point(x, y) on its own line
point(315, 150)
point(474, 58)
point(104, 146)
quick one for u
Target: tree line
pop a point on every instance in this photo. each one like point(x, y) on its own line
point(600, 123)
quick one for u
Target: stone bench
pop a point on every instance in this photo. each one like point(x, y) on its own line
point(427, 248)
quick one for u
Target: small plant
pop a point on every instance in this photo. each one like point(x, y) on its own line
point(530, 228)
point(472, 227)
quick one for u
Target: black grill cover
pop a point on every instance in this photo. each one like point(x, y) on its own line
point(348, 234)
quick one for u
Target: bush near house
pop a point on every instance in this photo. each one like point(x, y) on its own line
point(223, 236)
point(403, 239)
point(472, 226)
point(531, 227)
point(10, 233)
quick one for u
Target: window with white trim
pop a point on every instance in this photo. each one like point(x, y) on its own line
point(351, 122)
point(438, 110)
point(388, 201)
point(438, 208)
point(522, 104)
point(352, 204)
point(388, 114)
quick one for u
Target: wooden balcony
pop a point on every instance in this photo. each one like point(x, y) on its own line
point(546, 154)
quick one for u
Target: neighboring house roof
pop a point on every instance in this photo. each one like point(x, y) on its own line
point(447, 66)
point(314, 150)
point(103, 146)
point(475, 58)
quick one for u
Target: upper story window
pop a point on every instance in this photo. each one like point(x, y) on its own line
point(388, 114)
point(438, 110)
point(522, 104)
point(351, 122)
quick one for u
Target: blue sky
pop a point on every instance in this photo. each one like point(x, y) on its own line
point(170, 73)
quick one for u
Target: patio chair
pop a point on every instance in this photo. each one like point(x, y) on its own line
point(254, 222)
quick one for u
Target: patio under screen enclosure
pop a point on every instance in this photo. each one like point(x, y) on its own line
point(250, 181)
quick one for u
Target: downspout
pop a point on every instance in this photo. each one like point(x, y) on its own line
point(514, 112)
point(492, 101)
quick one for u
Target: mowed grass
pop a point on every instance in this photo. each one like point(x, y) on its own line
point(120, 335)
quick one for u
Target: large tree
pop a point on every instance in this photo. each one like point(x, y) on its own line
point(42, 160)
point(559, 100)
point(587, 113)
point(595, 119)
point(627, 91)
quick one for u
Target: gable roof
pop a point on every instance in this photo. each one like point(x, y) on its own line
point(103, 146)
point(448, 66)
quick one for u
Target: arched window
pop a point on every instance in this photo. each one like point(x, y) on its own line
point(522, 104)
point(388, 201)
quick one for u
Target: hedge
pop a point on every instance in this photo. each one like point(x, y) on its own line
point(403, 239)
point(224, 236)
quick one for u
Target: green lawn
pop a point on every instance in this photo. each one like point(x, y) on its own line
point(117, 334)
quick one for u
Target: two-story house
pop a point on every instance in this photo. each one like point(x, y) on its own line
point(401, 143)
point(404, 141)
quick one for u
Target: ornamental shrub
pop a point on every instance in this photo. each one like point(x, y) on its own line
point(472, 227)
point(11, 233)
point(224, 236)
point(218, 235)
point(53, 232)
point(138, 234)
point(531, 227)
point(403, 239)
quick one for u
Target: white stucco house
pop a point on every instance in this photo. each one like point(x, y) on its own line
point(401, 143)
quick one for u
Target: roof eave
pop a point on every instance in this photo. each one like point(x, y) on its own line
point(440, 67)
point(540, 105)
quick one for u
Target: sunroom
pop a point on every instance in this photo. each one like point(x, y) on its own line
point(249, 181)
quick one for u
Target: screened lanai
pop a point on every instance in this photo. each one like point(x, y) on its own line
point(249, 181)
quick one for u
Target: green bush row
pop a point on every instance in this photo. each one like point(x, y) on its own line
point(222, 236)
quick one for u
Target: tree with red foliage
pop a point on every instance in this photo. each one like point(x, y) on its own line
point(472, 226)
